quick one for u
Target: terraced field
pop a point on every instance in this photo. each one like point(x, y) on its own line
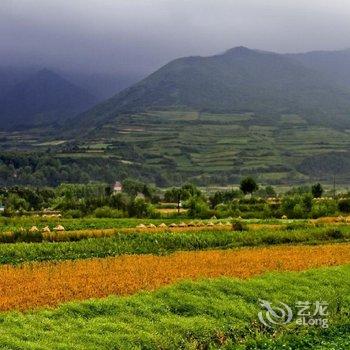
point(212, 143)
point(276, 149)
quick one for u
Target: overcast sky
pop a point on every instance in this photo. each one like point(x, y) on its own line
point(141, 35)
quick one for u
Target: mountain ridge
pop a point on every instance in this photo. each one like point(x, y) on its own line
point(41, 99)
point(333, 64)
point(238, 80)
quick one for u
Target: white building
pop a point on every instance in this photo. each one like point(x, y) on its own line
point(117, 188)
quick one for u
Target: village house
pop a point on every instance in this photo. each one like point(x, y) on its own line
point(117, 187)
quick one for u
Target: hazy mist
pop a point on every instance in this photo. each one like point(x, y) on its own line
point(140, 35)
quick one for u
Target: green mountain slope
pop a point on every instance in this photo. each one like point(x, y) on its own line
point(216, 119)
point(213, 120)
point(240, 80)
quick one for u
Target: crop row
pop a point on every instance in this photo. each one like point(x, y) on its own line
point(59, 234)
point(215, 313)
point(209, 314)
point(49, 284)
point(160, 243)
point(37, 236)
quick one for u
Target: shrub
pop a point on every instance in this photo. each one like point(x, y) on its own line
point(140, 208)
point(325, 208)
point(335, 234)
point(297, 206)
point(344, 205)
point(74, 214)
point(198, 208)
point(107, 212)
point(295, 226)
point(238, 225)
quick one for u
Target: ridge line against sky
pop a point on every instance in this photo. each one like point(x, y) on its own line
point(141, 35)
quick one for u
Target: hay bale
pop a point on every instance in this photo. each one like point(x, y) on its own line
point(162, 225)
point(141, 226)
point(152, 226)
point(348, 220)
point(340, 219)
point(210, 223)
point(183, 224)
point(191, 224)
point(59, 228)
point(33, 229)
point(173, 225)
point(284, 217)
point(200, 224)
point(220, 224)
point(46, 229)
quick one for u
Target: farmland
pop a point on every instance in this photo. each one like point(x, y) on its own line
point(179, 145)
point(121, 283)
point(49, 284)
point(216, 313)
point(159, 243)
point(199, 205)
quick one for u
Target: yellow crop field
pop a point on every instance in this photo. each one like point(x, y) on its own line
point(48, 284)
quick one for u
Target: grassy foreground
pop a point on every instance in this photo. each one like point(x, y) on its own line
point(216, 313)
point(164, 243)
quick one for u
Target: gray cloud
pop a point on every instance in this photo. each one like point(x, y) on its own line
point(141, 35)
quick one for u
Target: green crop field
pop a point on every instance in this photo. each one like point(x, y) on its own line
point(209, 314)
point(110, 284)
point(74, 247)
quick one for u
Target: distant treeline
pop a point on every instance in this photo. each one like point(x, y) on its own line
point(47, 169)
point(138, 199)
point(40, 169)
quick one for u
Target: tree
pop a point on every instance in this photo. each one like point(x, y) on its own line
point(176, 195)
point(221, 197)
point(270, 191)
point(197, 208)
point(317, 190)
point(119, 201)
point(248, 185)
point(140, 208)
point(132, 187)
